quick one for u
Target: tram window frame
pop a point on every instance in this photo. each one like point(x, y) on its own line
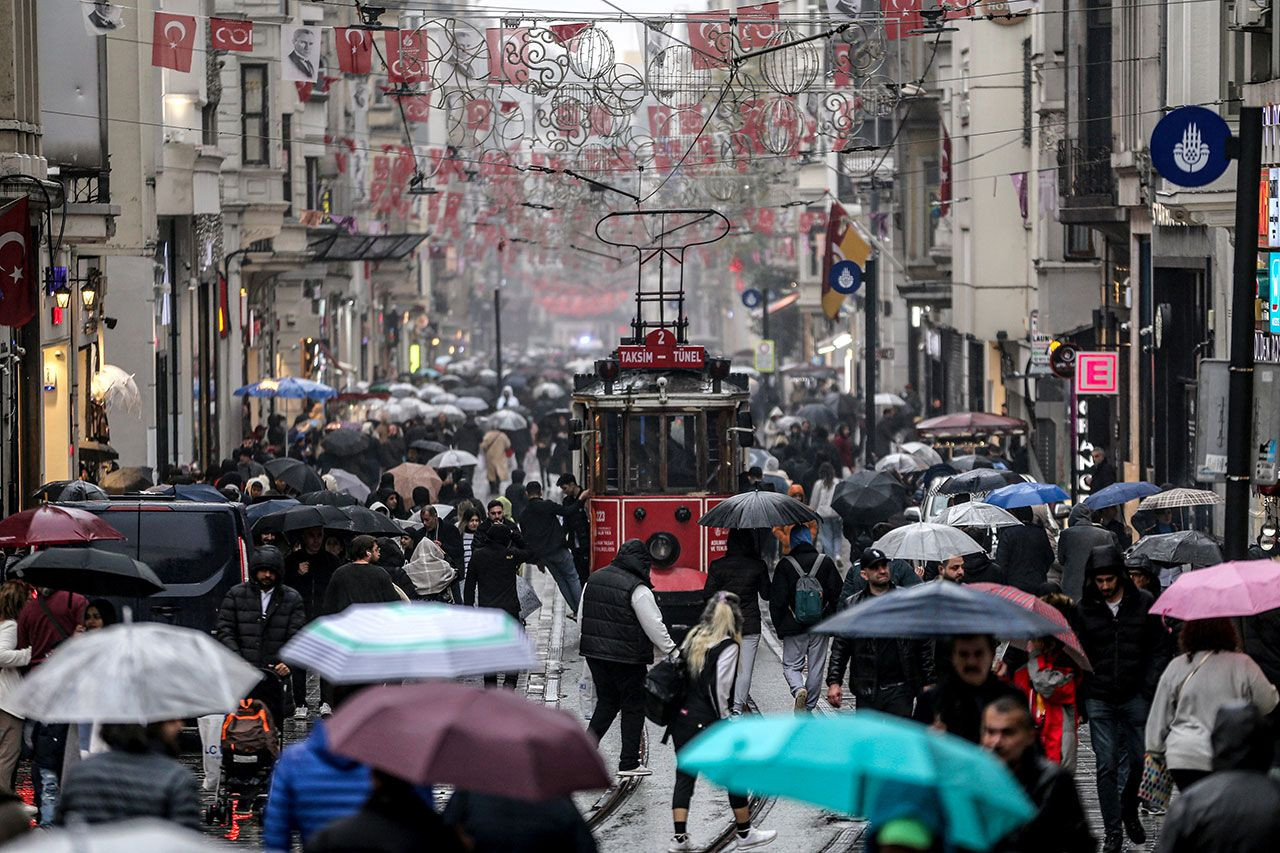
point(607, 464)
point(660, 483)
point(719, 475)
point(693, 441)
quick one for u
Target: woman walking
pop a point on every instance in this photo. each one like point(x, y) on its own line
point(710, 654)
point(742, 572)
point(824, 491)
point(13, 595)
point(1211, 672)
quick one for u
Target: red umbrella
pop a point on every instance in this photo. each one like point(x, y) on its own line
point(485, 741)
point(970, 423)
point(54, 525)
point(1025, 599)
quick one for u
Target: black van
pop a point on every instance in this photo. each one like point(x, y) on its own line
point(199, 550)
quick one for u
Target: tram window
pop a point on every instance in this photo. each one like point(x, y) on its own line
point(609, 435)
point(682, 452)
point(715, 441)
point(644, 453)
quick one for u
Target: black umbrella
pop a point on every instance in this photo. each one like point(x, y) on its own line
point(970, 461)
point(818, 415)
point(301, 518)
point(328, 498)
point(940, 609)
point(869, 497)
point(449, 380)
point(124, 480)
point(422, 445)
point(756, 509)
point(979, 480)
point(345, 442)
point(51, 490)
point(88, 571)
point(1185, 546)
point(80, 490)
point(295, 474)
point(361, 520)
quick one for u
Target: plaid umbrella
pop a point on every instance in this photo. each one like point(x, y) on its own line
point(1180, 497)
point(1070, 641)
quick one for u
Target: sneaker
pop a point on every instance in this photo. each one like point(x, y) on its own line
point(680, 843)
point(802, 699)
point(300, 713)
point(753, 839)
point(638, 770)
point(325, 710)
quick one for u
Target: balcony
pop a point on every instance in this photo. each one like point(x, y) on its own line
point(86, 186)
point(1086, 185)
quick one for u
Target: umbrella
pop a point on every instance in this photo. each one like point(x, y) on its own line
point(902, 463)
point(484, 741)
point(431, 447)
point(472, 404)
point(924, 541)
point(884, 398)
point(123, 836)
point(939, 609)
point(923, 452)
point(444, 397)
point(477, 391)
point(452, 413)
point(817, 414)
point(112, 386)
point(1026, 494)
point(857, 763)
point(88, 571)
point(449, 380)
point(368, 643)
point(302, 518)
point(506, 419)
point(54, 525)
point(979, 480)
point(971, 461)
point(268, 507)
point(758, 457)
point(142, 672)
point(965, 424)
point(1041, 608)
point(1120, 493)
point(349, 483)
point(295, 474)
point(1180, 497)
point(409, 475)
point(50, 491)
point(1240, 588)
point(453, 459)
point(401, 389)
point(362, 520)
point(325, 497)
point(548, 391)
point(129, 479)
point(345, 442)
point(1185, 546)
point(290, 387)
point(80, 490)
point(755, 509)
point(193, 492)
point(978, 514)
point(869, 497)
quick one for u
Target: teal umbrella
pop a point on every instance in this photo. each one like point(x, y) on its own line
point(849, 762)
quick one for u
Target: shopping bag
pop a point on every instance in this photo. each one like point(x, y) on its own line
point(529, 601)
point(586, 694)
point(210, 727)
point(1157, 782)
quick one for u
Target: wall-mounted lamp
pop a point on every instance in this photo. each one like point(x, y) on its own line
point(62, 297)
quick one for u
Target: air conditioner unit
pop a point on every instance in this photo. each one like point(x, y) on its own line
point(1250, 15)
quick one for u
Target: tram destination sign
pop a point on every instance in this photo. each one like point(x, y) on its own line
point(661, 352)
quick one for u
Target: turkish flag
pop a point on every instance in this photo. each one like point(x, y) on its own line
point(843, 65)
point(710, 38)
point(407, 56)
point(564, 32)
point(173, 38)
point(901, 17)
point(16, 279)
point(231, 35)
point(417, 108)
point(355, 50)
point(757, 25)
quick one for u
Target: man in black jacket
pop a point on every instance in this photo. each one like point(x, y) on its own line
point(449, 538)
point(1059, 825)
point(1025, 552)
point(799, 647)
point(1075, 544)
point(1125, 645)
point(545, 537)
point(955, 704)
point(361, 581)
point(308, 569)
point(885, 674)
point(491, 581)
point(258, 617)
point(621, 625)
point(577, 525)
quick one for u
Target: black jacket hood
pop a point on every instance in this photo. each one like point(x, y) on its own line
point(634, 557)
point(1241, 738)
point(1106, 557)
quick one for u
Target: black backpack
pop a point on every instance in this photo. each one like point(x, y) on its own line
point(665, 687)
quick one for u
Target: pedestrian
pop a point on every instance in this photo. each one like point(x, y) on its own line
point(493, 824)
point(951, 570)
point(497, 515)
point(1024, 551)
point(391, 559)
point(978, 566)
point(257, 618)
point(577, 524)
point(710, 657)
point(430, 572)
point(1075, 544)
point(829, 534)
point(138, 776)
point(782, 532)
point(546, 538)
point(1236, 808)
point(805, 590)
point(468, 527)
point(449, 540)
point(842, 441)
point(1210, 673)
point(1123, 643)
point(491, 582)
point(360, 581)
point(99, 613)
point(885, 674)
point(13, 595)
point(901, 572)
point(1110, 520)
point(1059, 824)
point(621, 625)
point(1103, 472)
point(742, 572)
point(1050, 682)
point(955, 704)
point(496, 449)
point(516, 494)
point(394, 819)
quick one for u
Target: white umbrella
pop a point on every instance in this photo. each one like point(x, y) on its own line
point(978, 514)
point(350, 483)
point(549, 391)
point(386, 642)
point(444, 397)
point(111, 386)
point(401, 389)
point(451, 412)
point(453, 459)
point(923, 541)
point(886, 399)
point(902, 463)
point(426, 392)
point(1174, 498)
point(123, 836)
point(506, 419)
point(471, 404)
point(141, 672)
point(923, 452)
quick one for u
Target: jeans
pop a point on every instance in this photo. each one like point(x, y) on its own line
point(49, 744)
point(746, 663)
point(619, 688)
point(1118, 732)
point(491, 679)
point(565, 573)
point(682, 793)
point(830, 536)
point(893, 699)
point(796, 652)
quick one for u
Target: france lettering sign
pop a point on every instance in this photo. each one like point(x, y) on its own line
point(1097, 373)
point(1189, 146)
point(845, 277)
point(660, 352)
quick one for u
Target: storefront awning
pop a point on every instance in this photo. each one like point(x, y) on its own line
point(363, 247)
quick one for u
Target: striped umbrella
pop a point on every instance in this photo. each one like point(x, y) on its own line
point(1070, 642)
point(373, 643)
point(1180, 497)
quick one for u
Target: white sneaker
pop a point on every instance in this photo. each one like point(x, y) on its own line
point(755, 838)
point(325, 710)
point(802, 699)
point(635, 771)
point(678, 845)
point(300, 713)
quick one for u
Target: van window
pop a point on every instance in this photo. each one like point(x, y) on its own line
point(186, 547)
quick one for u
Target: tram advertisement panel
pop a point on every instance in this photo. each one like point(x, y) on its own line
point(606, 535)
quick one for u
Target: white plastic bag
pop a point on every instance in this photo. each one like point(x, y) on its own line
point(586, 694)
point(211, 749)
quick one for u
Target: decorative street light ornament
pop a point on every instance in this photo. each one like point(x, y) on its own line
point(790, 70)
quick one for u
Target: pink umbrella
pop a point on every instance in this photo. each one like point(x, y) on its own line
point(1070, 641)
point(1241, 588)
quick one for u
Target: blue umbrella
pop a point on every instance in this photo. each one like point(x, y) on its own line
point(1120, 493)
point(289, 387)
point(1026, 494)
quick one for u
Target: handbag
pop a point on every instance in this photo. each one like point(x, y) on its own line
point(529, 600)
point(1156, 786)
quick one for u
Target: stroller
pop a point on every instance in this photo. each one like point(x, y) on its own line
point(251, 742)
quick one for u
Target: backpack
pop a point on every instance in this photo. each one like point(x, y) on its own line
point(665, 687)
point(248, 730)
point(807, 604)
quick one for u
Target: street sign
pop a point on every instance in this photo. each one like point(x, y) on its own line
point(766, 356)
point(1189, 146)
point(1040, 343)
point(752, 298)
point(1083, 460)
point(1098, 373)
point(845, 277)
point(659, 352)
point(1062, 360)
point(1212, 383)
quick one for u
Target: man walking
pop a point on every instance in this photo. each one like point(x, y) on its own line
point(621, 625)
point(805, 590)
point(577, 524)
point(545, 537)
point(308, 569)
point(1076, 544)
point(885, 674)
point(362, 581)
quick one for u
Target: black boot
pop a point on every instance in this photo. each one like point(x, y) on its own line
point(1113, 842)
point(1134, 829)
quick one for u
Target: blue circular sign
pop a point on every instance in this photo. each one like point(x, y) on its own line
point(752, 298)
point(1189, 146)
point(846, 277)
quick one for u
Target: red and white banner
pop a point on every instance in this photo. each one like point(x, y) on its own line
point(757, 25)
point(407, 57)
point(226, 34)
point(173, 39)
point(417, 108)
point(564, 32)
point(355, 50)
point(507, 62)
point(16, 279)
point(843, 64)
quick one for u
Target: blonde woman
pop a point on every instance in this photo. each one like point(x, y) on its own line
point(13, 595)
point(710, 654)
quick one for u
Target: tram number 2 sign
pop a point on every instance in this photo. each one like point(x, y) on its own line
point(661, 352)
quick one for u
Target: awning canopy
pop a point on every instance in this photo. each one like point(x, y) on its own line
point(364, 247)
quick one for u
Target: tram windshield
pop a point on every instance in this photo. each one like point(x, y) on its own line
point(677, 452)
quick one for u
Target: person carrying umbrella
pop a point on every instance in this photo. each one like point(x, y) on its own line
point(742, 572)
point(955, 704)
point(1051, 682)
point(308, 569)
point(710, 655)
point(1025, 551)
point(495, 447)
point(805, 590)
point(491, 582)
point(1075, 544)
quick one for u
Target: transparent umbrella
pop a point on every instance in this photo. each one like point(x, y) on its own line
point(125, 836)
point(923, 541)
point(978, 514)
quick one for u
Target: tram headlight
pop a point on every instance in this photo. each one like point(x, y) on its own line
point(663, 548)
